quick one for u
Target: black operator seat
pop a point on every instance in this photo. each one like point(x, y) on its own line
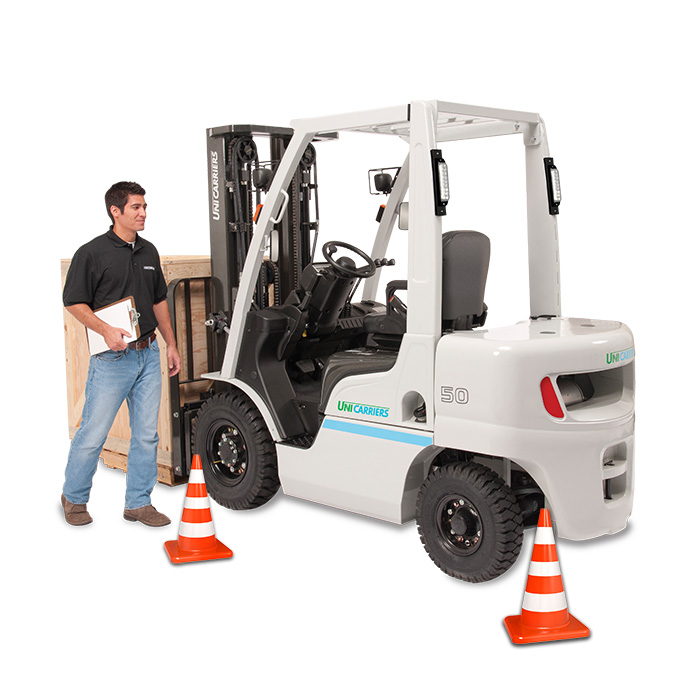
point(465, 261)
point(466, 258)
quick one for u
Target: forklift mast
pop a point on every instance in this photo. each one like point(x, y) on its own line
point(242, 161)
point(239, 172)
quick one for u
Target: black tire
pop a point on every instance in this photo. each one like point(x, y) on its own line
point(469, 522)
point(237, 452)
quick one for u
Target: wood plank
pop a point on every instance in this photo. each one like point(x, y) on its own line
point(116, 460)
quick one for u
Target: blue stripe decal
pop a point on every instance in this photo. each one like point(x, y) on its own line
point(376, 432)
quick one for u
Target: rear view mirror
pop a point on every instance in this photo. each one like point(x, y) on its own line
point(381, 182)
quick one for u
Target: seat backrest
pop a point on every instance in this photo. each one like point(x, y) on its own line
point(466, 257)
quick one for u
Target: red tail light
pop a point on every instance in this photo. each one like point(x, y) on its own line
point(551, 402)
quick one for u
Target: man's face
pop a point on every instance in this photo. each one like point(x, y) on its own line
point(133, 217)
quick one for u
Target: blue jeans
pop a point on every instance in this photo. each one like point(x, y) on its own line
point(113, 377)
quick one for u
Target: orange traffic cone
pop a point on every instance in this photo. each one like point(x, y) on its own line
point(544, 616)
point(196, 533)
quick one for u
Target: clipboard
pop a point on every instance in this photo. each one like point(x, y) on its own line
point(121, 314)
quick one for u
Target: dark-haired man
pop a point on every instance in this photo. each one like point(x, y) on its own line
point(113, 266)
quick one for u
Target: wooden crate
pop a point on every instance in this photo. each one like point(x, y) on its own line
point(116, 447)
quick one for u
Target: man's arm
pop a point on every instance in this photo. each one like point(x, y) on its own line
point(113, 336)
point(161, 310)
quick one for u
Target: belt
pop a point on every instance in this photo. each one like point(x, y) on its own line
point(142, 344)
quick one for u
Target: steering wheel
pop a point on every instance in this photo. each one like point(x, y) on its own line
point(364, 272)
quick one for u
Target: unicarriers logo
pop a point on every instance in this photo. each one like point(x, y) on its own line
point(215, 187)
point(618, 357)
point(361, 409)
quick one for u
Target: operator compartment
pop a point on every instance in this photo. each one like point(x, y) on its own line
point(283, 354)
point(295, 352)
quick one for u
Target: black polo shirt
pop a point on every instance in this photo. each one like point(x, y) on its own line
point(108, 269)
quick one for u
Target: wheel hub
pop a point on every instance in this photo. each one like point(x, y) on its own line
point(230, 451)
point(460, 525)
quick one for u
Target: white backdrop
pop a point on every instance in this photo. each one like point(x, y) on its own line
point(96, 93)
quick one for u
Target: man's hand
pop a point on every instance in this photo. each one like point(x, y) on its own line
point(173, 359)
point(114, 338)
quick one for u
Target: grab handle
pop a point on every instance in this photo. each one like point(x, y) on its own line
point(283, 208)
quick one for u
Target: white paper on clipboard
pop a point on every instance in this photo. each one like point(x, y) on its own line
point(120, 314)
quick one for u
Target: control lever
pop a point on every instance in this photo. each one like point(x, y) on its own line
point(218, 323)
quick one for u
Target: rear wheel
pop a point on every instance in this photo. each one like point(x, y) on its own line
point(469, 522)
point(237, 452)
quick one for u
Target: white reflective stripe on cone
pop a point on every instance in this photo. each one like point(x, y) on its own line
point(196, 476)
point(544, 536)
point(197, 503)
point(544, 602)
point(544, 569)
point(196, 530)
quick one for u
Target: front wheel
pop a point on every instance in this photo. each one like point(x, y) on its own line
point(469, 522)
point(238, 455)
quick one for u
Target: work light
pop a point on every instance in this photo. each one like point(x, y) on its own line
point(552, 185)
point(441, 182)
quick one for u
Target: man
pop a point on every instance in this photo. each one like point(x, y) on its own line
point(113, 266)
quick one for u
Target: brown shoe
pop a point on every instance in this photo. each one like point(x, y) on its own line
point(148, 515)
point(76, 514)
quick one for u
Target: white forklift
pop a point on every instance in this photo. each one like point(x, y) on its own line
point(407, 410)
